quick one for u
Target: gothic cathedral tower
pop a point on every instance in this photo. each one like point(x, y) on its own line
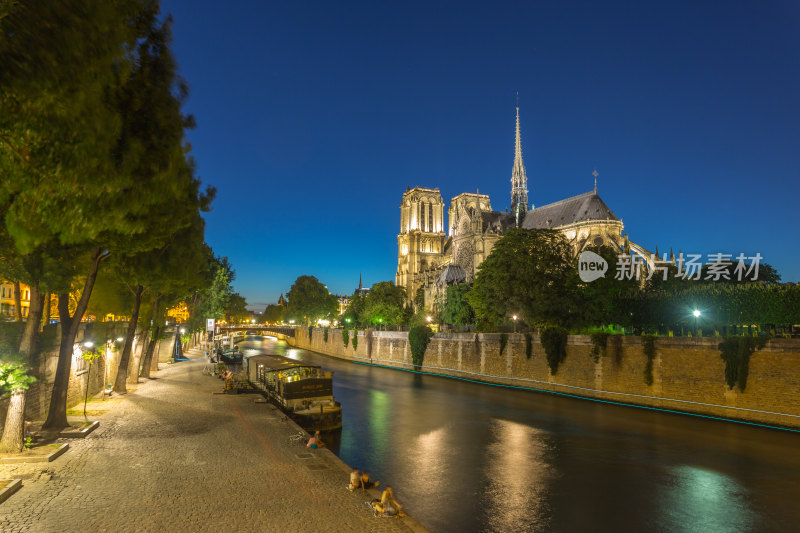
point(519, 182)
point(421, 239)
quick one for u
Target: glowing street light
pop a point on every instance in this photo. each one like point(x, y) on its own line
point(696, 314)
point(88, 344)
point(514, 318)
point(428, 318)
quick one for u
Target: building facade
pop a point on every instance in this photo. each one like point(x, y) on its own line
point(8, 304)
point(429, 260)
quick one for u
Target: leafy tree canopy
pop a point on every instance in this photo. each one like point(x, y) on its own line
point(529, 273)
point(309, 300)
point(457, 311)
point(385, 304)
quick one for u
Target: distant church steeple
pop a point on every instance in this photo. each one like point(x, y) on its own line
point(519, 181)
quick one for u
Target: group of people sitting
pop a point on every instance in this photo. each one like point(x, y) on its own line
point(386, 505)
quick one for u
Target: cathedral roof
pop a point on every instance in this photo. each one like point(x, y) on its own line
point(581, 208)
point(497, 220)
point(452, 274)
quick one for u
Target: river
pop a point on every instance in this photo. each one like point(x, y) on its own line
point(462, 457)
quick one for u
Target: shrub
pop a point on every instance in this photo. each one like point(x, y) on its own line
point(345, 336)
point(310, 330)
point(554, 341)
point(355, 339)
point(503, 342)
point(599, 344)
point(736, 352)
point(649, 349)
point(418, 338)
point(325, 335)
point(528, 345)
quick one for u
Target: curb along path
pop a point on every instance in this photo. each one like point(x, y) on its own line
point(173, 456)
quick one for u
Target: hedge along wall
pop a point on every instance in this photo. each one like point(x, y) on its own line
point(688, 374)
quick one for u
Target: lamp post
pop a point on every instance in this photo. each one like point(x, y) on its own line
point(514, 318)
point(696, 314)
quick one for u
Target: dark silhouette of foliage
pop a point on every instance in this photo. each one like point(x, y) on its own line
point(554, 341)
point(503, 342)
point(418, 338)
point(599, 340)
point(736, 352)
point(649, 350)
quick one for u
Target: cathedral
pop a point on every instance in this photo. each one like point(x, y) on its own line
point(431, 258)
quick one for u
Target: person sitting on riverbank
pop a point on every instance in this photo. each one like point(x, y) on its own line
point(315, 442)
point(355, 479)
point(387, 504)
point(366, 483)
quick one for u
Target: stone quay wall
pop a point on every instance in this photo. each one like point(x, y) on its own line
point(39, 393)
point(688, 373)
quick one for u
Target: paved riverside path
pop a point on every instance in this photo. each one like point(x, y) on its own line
point(172, 456)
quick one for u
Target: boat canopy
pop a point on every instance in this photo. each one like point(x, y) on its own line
point(274, 363)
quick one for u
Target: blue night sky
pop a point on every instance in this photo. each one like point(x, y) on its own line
point(313, 117)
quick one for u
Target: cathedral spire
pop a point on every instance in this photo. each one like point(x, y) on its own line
point(360, 286)
point(519, 181)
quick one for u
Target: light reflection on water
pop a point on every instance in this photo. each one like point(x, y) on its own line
point(698, 499)
point(518, 478)
point(468, 457)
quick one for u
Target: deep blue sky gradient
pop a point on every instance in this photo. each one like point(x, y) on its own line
point(313, 117)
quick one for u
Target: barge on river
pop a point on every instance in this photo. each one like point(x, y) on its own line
point(302, 390)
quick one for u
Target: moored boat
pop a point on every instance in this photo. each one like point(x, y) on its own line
point(302, 390)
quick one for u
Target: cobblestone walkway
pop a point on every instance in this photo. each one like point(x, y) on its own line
point(172, 456)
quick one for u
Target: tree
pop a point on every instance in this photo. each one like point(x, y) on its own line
point(273, 314)
point(355, 310)
point(601, 298)
point(385, 304)
point(212, 296)
point(529, 273)
point(82, 181)
point(309, 300)
point(457, 311)
point(236, 308)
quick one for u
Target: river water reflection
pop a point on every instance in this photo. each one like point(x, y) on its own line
point(468, 457)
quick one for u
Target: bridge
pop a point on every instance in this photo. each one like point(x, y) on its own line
point(287, 331)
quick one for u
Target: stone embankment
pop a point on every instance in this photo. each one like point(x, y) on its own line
point(172, 455)
point(688, 374)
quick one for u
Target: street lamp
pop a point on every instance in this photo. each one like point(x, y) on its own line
point(429, 319)
point(514, 318)
point(696, 314)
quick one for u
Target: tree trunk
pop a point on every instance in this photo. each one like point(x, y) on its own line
point(136, 360)
point(13, 434)
point(17, 302)
point(154, 360)
point(29, 335)
point(57, 412)
point(148, 356)
point(14, 429)
point(122, 370)
point(47, 303)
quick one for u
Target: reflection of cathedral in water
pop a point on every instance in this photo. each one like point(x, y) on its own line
point(429, 258)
